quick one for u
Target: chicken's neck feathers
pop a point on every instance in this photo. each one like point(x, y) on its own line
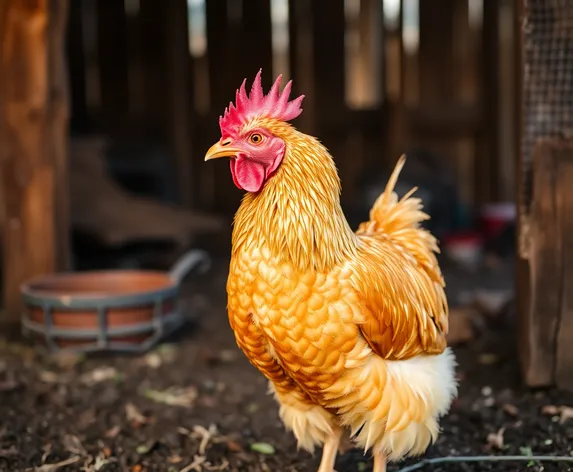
point(297, 215)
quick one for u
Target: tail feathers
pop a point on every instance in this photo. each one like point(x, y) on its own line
point(400, 219)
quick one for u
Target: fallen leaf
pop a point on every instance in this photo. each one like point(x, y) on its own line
point(134, 416)
point(263, 448)
point(234, 446)
point(153, 360)
point(73, 444)
point(98, 375)
point(510, 409)
point(566, 414)
point(175, 459)
point(222, 466)
point(495, 440)
point(48, 376)
point(559, 413)
point(174, 397)
point(195, 465)
point(205, 435)
point(146, 448)
point(113, 432)
point(57, 465)
point(550, 410)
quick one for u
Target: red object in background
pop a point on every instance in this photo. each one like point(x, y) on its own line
point(464, 247)
point(495, 217)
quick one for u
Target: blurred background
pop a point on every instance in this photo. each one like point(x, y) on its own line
point(148, 81)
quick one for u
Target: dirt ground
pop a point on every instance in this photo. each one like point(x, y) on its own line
point(195, 404)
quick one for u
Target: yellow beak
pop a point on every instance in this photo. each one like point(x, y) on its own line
point(219, 150)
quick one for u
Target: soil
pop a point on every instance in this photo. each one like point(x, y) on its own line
point(196, 400)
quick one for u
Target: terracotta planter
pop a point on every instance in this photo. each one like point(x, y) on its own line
point(107, 310)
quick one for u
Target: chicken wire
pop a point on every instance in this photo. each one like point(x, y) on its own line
point(547, 79)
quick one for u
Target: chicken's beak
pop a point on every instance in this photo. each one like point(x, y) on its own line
point(221, 149)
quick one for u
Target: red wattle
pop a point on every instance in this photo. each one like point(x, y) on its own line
point(247, 175)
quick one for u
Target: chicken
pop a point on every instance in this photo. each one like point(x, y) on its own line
point(348, 327)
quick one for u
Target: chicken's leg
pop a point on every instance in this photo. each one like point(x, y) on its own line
point(329, 451)
point(379, 462)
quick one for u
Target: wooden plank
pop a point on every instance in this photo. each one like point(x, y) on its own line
point(58, 118)
point(239, 39)
point(540, 321)
point(301, 61)
point(563, 155)
point(328, 56)
point(180, 97)
point(29, 178)
point(113, 65)
point(486, 168)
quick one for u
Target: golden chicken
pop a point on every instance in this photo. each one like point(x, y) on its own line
point(348, 327)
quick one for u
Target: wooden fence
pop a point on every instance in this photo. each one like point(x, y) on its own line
point(378, 76)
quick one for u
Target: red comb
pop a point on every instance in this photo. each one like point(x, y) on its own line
point(273, 105)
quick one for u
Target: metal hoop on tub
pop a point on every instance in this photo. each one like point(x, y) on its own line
point(115, 310)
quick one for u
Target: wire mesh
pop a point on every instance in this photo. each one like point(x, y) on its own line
point(547, 78)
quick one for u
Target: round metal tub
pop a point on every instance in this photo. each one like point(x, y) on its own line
point(116, 310)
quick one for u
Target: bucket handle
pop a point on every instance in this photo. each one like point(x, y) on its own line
point(189, 261)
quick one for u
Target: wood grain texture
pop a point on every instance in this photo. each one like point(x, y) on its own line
point(563, 155)
point(546, 323)
point(32, 133)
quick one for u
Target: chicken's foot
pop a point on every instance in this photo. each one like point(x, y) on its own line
point(379, 462)
point(329, 451)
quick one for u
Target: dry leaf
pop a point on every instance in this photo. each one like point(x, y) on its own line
point(49, 377)
point(234, 446)
point(222, 466)
point(153, 360)
point(74, 445)
point(57, 465)
point(495, 440)
point(134, 416)
point(510, 409)
point(198, 461)
point(113, 432)
point(99, 375)
point(550, 410)
point(174, 397)
point(566, 414)
point(205, 435)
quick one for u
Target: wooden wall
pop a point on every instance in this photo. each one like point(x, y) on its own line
point(371, 89)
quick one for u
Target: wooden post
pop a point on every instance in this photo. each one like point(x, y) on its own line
point(547, 323)
point(33, 125)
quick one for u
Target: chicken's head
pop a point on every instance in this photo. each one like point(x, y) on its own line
point(249, 133)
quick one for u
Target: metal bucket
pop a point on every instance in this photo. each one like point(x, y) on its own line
point(116, 310)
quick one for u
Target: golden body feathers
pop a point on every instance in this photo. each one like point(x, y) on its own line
point(349, 328)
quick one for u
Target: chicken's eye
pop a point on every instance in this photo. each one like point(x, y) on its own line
point(256, 138)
